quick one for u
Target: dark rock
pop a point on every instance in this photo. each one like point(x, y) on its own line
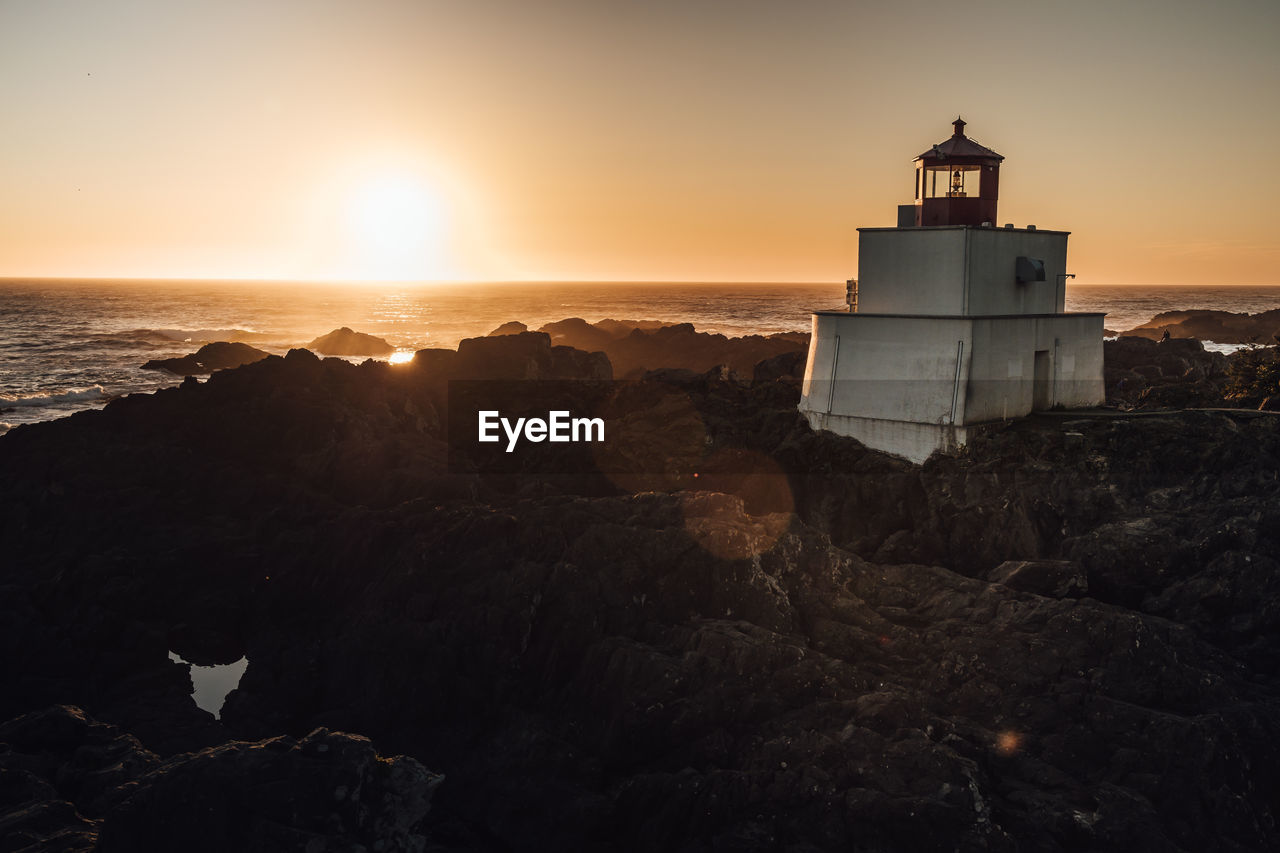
point(528, 355)
point(346, 342)
point(1180, 395)
point(34, 817)
point(787, 367)
point(1224, 327)
point(327, 791)
point(512, 328)
point(84, 759)
point(578, 333)
point(1054, 578)
point(635, 347)
point(301, 355)
point(1141, 373)
point(437, 362)
point(187, 365)
point(622, 328)
point(800, 646)
point(68, 782)
point(220, 355)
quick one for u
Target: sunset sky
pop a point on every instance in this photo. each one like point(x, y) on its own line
point(693, 140)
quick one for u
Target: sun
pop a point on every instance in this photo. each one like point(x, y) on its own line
point(398, 224)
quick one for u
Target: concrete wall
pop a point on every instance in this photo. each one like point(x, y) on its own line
point(890, 380)
point(887, 367)
point(1002, 372)
point(993, 284)
point(957, 270)
point(914, 442)
point(911, 270)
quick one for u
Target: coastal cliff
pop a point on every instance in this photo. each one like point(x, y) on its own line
point(1065, 637)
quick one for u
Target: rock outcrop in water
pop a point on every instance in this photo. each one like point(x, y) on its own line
point(635, 346)
point(514, 327)
point(344, 341)
point(1224, 327)
point(526, 355)
point(220, 355)
point(1065, 637)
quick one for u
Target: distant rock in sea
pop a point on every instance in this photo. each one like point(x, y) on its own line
point(1223, 327)
point(528, 355)
point(220, 355)
point(622, 328)
point(576, 332)
point(344, 341)
point(515, 327)
point(637, 346)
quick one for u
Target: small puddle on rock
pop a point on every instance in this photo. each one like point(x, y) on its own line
point(213, 683)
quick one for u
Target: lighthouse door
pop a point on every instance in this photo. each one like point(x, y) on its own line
point(1042, 389)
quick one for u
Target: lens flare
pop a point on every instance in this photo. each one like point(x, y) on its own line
point(1008, 742)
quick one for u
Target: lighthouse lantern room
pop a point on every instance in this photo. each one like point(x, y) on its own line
point(957, 182)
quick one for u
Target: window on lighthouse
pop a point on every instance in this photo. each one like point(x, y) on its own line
point(949, 182)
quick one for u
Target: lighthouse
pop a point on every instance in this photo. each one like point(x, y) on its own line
point(957, 321)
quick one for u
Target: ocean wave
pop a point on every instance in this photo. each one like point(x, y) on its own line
point(74, 395)
point(153, 336)
point(145, 338)
point(1228, 349)
point(208, 335)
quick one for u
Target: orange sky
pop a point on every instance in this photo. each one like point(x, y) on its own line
point(716, 140)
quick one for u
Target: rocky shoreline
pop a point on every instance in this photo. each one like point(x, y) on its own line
point(1065, 637)
point(1224, 327)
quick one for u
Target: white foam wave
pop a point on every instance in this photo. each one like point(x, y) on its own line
point(1228, 349)
point(73, 395)
point(207, 335)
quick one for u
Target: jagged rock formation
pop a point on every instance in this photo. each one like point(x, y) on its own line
point(72, 783)
point(1177, 373)
point(1224, 327)
point(1065, 637)
point(346, 342)
point(787, 367)
point(220, 355)
point(514, 327)
point(636, 346)
point(526, 355)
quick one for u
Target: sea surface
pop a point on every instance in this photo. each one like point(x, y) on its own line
point(71, 345)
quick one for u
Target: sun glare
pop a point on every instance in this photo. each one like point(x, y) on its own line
point(399, 225)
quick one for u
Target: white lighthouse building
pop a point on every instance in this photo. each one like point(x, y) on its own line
point(954, 321)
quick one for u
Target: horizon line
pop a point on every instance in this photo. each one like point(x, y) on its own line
point(463, 282)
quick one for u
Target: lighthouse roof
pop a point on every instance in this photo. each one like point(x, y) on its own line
point(958, 146)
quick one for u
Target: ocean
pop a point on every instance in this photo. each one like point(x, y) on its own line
point(72, 345)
